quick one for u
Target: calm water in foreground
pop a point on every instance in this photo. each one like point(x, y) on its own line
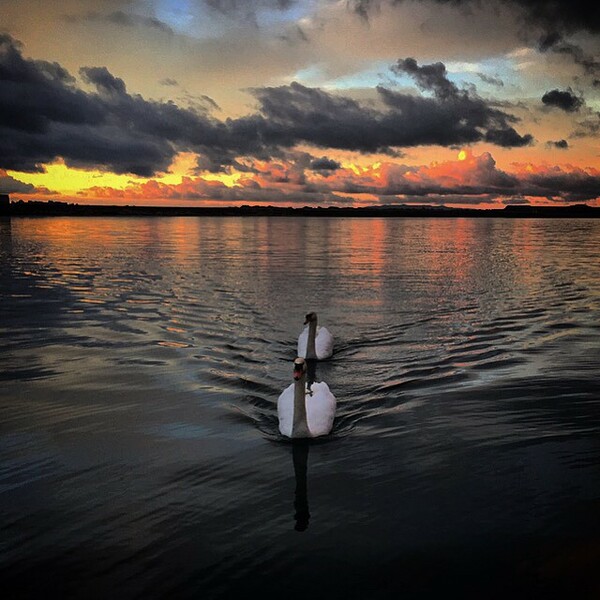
point(140, 364)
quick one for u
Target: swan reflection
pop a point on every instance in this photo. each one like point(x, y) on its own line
point(300, 456)
point(304, 402)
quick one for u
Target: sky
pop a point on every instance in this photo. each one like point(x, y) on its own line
point(300, 102)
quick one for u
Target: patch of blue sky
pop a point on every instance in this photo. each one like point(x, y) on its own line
point(178, 14)
point(311, 76)
point(317, 75)
point(499, 77)
point(502, 75)
point(375, 74)
point(198, 20)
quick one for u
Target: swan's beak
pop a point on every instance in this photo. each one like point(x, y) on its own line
point(298, 372)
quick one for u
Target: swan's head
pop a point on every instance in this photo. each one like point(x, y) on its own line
point(310, 317)
point(299, 368)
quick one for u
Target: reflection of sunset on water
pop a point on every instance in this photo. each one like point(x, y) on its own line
point(153, 350)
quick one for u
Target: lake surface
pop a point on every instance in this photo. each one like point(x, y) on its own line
point(140, 364)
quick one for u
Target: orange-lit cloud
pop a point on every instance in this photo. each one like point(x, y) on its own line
point(475, 179)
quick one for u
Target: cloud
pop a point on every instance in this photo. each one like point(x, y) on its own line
point(428, 77)
point(10, 185)
point(589, 127)
point(558, 184)
point(471, 179)
point(294, 35)
point(199, 189)
point(565, 100)
point(575, 15)
point(560, 144)
point(106, 129)
point(106, 83)
point(291, 180)
point(296, 113)
point(112, 129)
point(554, 15)
point(122, 19)
point(554, 42)
point(516, 201)
point(495, 81)
point(324, 164)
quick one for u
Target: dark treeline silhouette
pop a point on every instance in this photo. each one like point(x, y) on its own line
point(54, 208)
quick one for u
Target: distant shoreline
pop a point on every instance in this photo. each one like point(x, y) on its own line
point(53, 208)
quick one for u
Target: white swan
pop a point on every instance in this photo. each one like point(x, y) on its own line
point(305, 412)
point(314, 341)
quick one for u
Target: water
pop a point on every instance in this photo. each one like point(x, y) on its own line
point(142, 358)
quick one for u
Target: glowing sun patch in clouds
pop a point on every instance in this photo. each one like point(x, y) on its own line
point(62, 179)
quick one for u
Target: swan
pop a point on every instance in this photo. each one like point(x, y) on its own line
point(314, 341)
point(305, 411)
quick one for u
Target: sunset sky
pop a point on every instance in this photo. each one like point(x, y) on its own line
point(300, 102)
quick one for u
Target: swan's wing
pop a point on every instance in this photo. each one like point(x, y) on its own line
point(320, 409)
point(302, 343)
point(285, 410)
point(324, 343)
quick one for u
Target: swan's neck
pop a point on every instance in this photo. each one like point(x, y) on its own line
point(299, 423)
point(311, 351)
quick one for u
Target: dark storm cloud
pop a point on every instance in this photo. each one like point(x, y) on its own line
point(569, 187)
point(560, 144)
point(507, 137)
point(563, 99)
point(295, 113)
point(428, 77)
point(324, 164)
point(495, 81)
point(121, 19)
point(459, 120)
point(552, 15)
point(590, 126)
point(105, 82)
point(10, 185)
point(555, 43)
point(558, 15)
point(110, 128)
point(453, 113)
point(35, 94)
point(470, 113)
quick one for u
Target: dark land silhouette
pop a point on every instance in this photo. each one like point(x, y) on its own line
point(55, 208)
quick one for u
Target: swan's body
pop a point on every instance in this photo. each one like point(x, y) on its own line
point(314, 341)
point(305, 411)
